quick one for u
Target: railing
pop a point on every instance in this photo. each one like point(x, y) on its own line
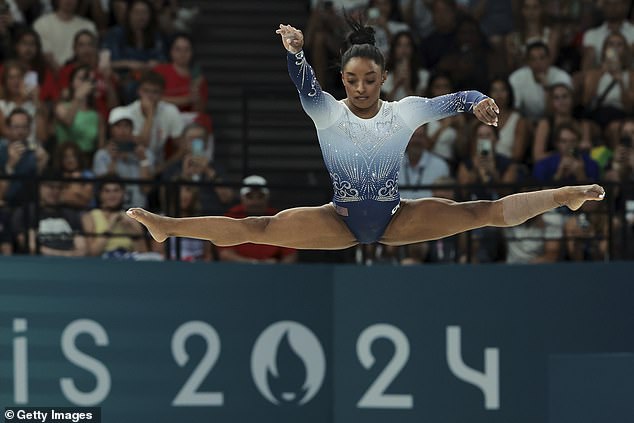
point(613, 232)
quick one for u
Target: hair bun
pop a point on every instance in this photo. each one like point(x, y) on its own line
point(360, 34)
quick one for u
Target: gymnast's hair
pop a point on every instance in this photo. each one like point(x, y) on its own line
point(360, 43)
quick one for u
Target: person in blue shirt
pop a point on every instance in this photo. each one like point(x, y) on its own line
point(363, 140)
point(568, 164)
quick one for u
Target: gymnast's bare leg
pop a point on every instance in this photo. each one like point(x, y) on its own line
point(434, 218)
point(301, 228)
point(322, 228)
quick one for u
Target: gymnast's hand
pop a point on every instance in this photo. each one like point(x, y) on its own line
point(292, 38)
point(487, 111)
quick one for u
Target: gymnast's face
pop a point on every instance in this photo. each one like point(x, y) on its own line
point(362, 78)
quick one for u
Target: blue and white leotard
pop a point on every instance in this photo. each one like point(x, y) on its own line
point(363, 156)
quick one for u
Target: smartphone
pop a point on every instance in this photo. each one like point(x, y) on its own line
point(198, 147)
point(30, 80)
point(104, 59)
point(126, 146)
point(484, 146)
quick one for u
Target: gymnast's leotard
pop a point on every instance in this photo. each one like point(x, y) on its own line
point(363, 156)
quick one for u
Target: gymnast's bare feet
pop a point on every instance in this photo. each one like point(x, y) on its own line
point(575, 196)
point(154, 223)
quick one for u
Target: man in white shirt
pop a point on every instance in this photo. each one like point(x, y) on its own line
point(531, 81)
point(615, 20)
point(125, 158)
point(57, 31)
point(420, 166)
point(155, 121)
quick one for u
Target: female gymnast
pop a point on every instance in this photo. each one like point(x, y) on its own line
point(362, 140)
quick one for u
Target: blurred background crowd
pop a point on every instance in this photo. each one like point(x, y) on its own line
point(104, 106)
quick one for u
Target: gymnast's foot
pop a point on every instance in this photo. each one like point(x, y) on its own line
point(154, 223)
point(575, 196)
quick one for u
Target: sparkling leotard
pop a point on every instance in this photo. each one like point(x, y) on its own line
point(363, 156)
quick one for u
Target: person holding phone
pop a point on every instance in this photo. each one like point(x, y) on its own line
point(569, 164)
point(124, 157)
point(77, 117)
point(86, 53)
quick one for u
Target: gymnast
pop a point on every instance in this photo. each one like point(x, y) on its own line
point(363, 139)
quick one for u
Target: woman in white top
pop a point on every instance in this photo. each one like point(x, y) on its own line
point(608, 89)
point(532, 27)
point(512, 140)
point(405, 76)
point(16, 92)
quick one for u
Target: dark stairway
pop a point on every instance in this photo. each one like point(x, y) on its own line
point(259, 125)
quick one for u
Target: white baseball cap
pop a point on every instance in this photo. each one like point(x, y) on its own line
point(120, 113)
point(254, 180)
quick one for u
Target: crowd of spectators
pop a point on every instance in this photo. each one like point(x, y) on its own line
point(109, 92)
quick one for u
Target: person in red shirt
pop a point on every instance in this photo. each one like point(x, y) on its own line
point(185, 85)
point(254, 201)
point(86, 53)
point(28, 51)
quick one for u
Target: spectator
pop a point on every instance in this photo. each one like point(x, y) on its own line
point(471, 62)
point(28, 51)
point(512, 131)
point(86, 53)
point(57, 30)
point(325, 32)
point(135, 47)
point(18, 157)
point(193, 163)
point(69, 162)
point(190, 249)
point(18, 93)
point(155, 122)
point(77, 118)
point(405, 76)
point(185, 85)
point(57, 230)
point(444, 134)
point(531, 81)
point(559, 111)
point(609, 89)
point(496, 18)
point(26, 12)
point(110, 233)
point(443, 40)
point(615, 20)
point(381, 17)
point(569, 165)
point(538, 240)
point(420, 167)
point(254, 201)
point(8, 26)
point(485, 166)
point(532, 28)
point(586, 234)
point(124, 157)
point(417, 14)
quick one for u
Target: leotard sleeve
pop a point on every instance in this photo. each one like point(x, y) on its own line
point(417, 111)
point(322, 107)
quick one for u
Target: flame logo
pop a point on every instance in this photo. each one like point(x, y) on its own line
point(274, 350)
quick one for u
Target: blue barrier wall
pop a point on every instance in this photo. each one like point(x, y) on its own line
point(167, 342)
